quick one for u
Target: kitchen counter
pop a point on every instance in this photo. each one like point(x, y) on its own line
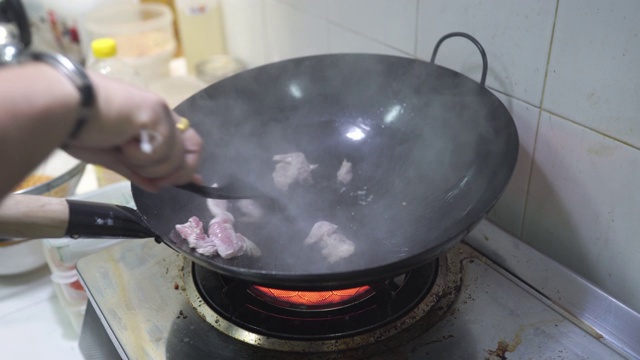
point(33, 323)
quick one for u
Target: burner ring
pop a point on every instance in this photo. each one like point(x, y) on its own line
point(428, 312)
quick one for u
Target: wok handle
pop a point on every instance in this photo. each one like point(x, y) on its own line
point(33, 216)
point(485, 67)
point(93, 219)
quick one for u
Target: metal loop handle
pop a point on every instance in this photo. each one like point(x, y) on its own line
point(485, 67)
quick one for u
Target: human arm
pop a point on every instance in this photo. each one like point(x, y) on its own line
point(39, 108)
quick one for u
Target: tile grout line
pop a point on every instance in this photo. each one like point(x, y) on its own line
point(574, 122)
point(540, 110)
point(21, 308)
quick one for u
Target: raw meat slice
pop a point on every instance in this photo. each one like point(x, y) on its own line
point(208, 247)
point(217, 206)
point(345, 174)
point(251, 248)
point(193, 232)
point(224, 217)
point(336, 246)
point(227, 242)
point(251, 209)
point(222, 238)
point(291, 168)
point(319, 230)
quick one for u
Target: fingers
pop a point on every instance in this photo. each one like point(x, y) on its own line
point(171, 162)
point(162, 151)
point(134, 133)
point(190, 157)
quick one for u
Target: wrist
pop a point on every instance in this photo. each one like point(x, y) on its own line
point(75, 75)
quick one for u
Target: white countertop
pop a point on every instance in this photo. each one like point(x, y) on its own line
point(33, 322)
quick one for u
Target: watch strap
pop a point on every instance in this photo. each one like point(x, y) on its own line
point(76, 74)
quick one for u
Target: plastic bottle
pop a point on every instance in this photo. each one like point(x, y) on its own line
point(104, 61)
point(59, 24)
point(201, 31)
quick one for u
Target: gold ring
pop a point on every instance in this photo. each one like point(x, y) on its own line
point(182, 124)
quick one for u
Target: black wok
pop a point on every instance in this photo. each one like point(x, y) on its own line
point(432, 151)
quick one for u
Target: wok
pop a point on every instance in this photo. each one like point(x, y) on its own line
point(432, 151)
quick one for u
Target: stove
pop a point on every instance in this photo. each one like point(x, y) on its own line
point(489, 297)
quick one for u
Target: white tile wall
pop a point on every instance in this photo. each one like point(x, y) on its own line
point(293, 33)
point(574, 194)
point(594, 72)
point(244, 26)
point(317, 8)
point(583, 205)
point(392, 22)
point(515, 34)
point(342, 40)
point(509, 211)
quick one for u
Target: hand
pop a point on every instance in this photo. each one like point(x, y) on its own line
point(112, 137)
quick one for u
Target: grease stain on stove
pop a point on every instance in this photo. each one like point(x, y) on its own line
point(182, 315)
point(504, 347)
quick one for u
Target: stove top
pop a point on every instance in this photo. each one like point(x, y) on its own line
point(512, 303)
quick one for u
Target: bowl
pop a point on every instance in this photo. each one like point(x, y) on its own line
point(20, 256)
point(57, 176)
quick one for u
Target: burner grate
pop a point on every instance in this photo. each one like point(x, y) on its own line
point(252, 308)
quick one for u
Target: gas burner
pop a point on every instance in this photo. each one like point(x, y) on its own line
point(322, 321)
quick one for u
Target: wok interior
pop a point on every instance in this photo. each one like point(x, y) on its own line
point(431, 150)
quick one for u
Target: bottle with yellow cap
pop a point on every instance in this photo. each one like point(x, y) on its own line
point(105, 61)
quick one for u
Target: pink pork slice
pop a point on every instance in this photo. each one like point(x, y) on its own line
point(227, 242)
point(193, 232)
point(319, 230)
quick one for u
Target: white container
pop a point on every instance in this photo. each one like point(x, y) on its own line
point(143, 32)
point(63, 254)
point(57, 24)
point(69, 288)
point(200, 29)
point(176, 89)
point(71, 295)
point(218, 67)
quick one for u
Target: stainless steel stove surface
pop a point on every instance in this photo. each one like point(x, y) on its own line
point(513, 303)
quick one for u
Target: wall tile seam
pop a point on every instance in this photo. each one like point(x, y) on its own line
point(593, 130)
point(537, 132)
point(301, 10)
point(330, 22)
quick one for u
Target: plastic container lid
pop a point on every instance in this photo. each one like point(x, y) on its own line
point(103, 48)
point(129, 18)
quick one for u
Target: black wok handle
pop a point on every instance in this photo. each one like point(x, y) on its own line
point(485, 67)
point(92, 219)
